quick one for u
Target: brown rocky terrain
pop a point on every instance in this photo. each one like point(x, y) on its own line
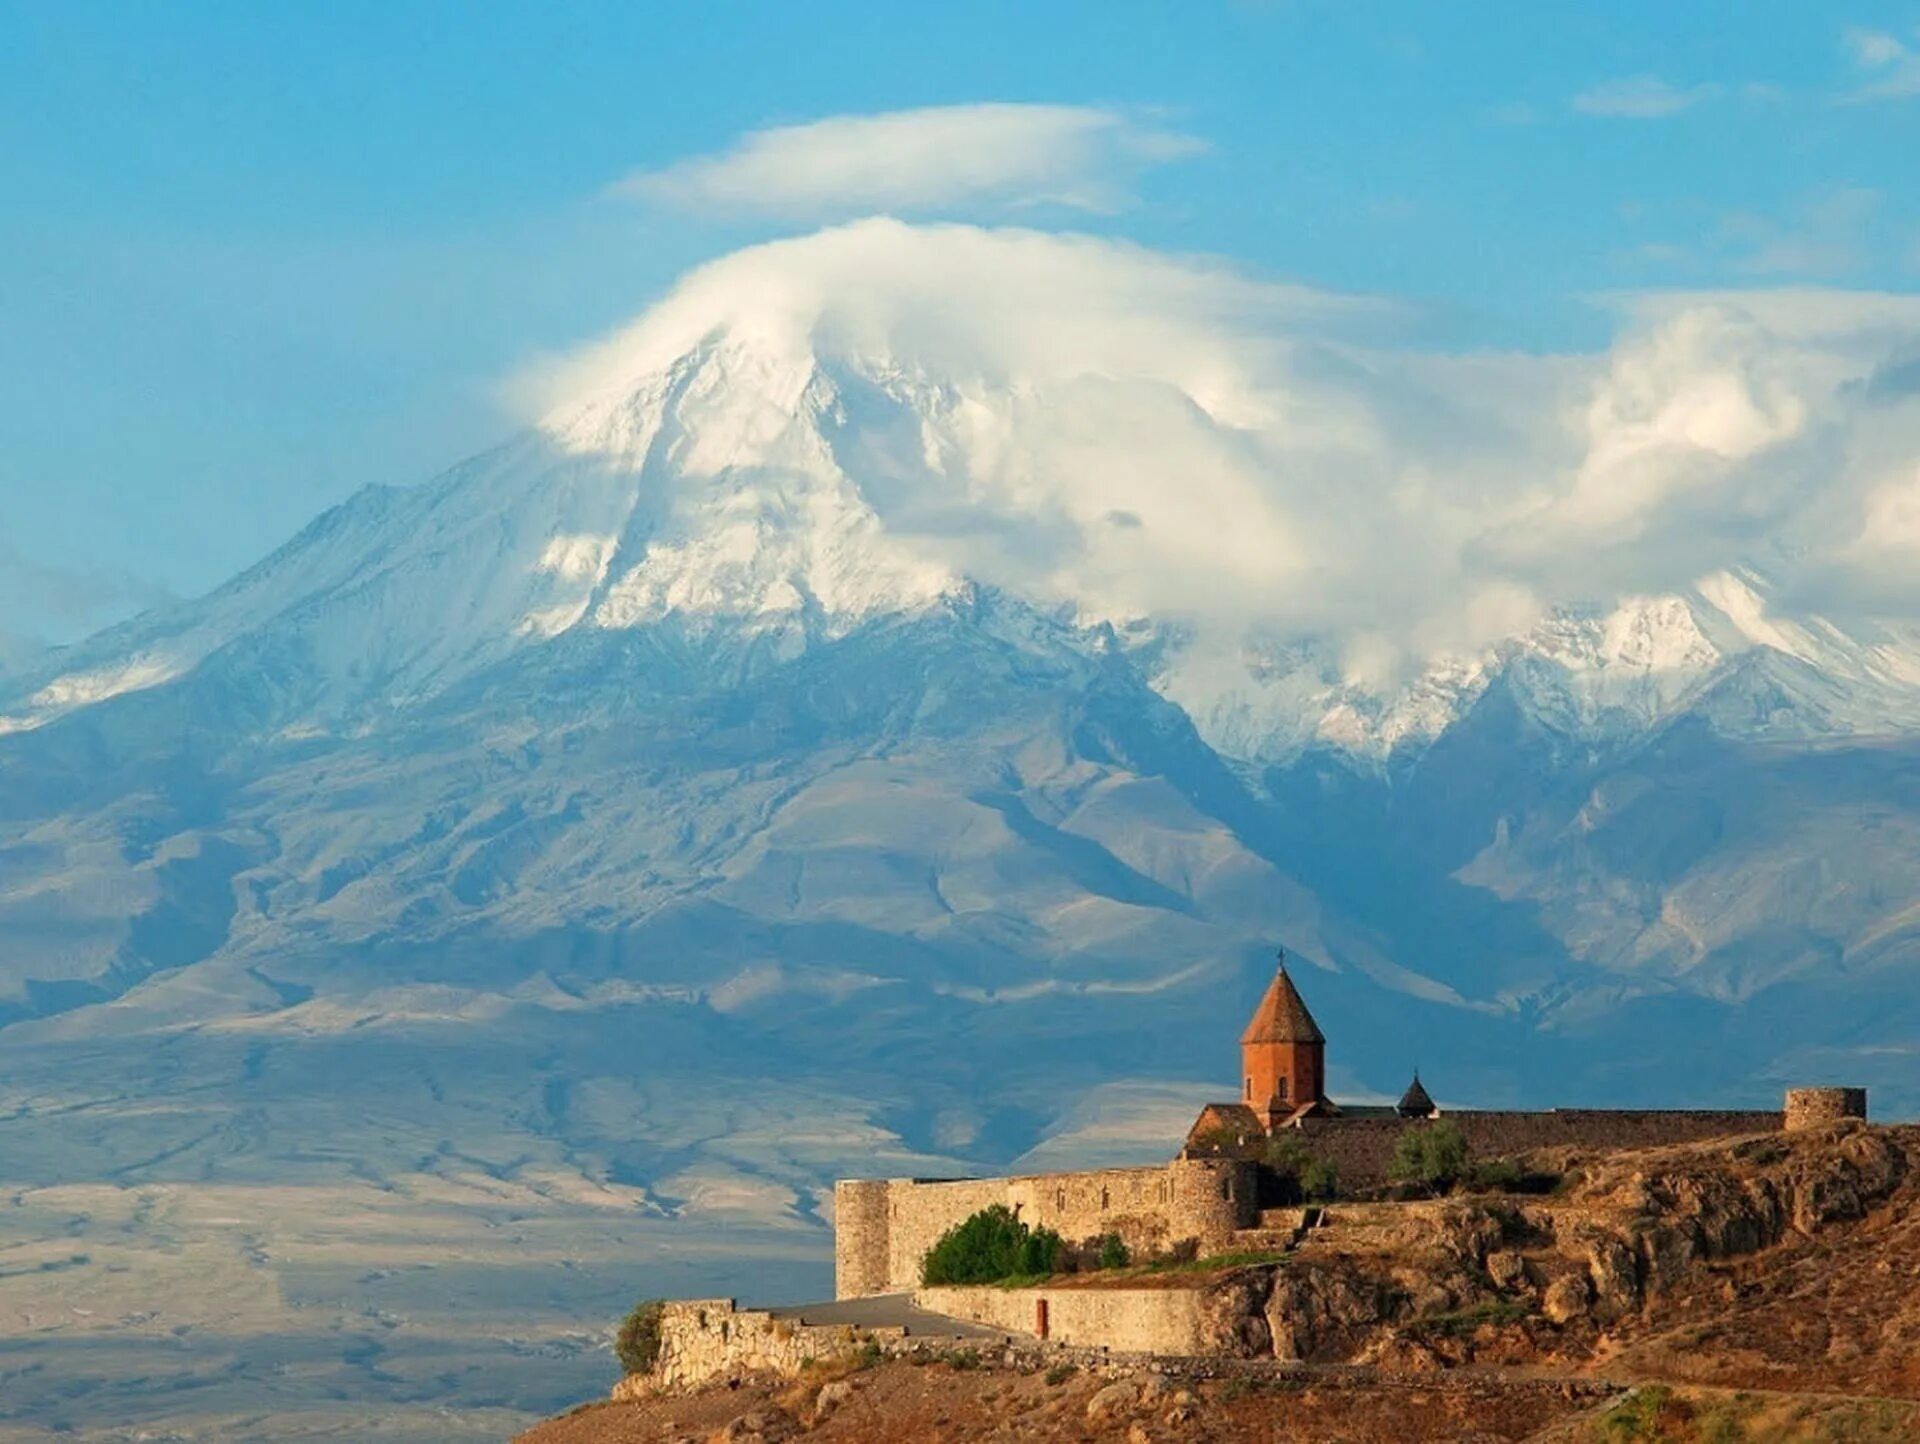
point(1757, 1289)
point(964, 1401)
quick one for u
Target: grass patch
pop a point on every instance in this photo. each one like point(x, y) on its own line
point(1171, 1263)
point(1457, 1323)
point(1650, 1414)
point(1213, 1262)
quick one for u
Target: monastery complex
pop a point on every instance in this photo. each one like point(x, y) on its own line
point(1218, 1194)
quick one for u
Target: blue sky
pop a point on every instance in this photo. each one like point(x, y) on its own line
point(253, 257)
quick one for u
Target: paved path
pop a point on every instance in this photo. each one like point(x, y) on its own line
point(886, 1311)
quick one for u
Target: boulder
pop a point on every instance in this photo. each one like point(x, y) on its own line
point(1322, 1311)
point(1610, 1264)
point(1566, 1299)
point(831, 1396)
point(1507, 1269)
point(1113, 1399)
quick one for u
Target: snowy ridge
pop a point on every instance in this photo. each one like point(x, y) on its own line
point(1595, 675)
point(781, 453)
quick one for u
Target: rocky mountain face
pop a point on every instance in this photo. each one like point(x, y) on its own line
point(696, 798)
point(1633, 1253)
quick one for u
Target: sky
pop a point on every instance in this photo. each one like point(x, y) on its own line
point(253, 258)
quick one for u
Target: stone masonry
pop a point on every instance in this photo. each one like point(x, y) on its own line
point(884, 1227)
point(1817, 1107)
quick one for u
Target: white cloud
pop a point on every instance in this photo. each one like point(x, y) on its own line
point(1132, 434)
point(1889, 66)
point(907, 161)
point(1641, 97)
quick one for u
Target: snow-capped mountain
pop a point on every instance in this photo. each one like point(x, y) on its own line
point(828, 739)
point(760, 463)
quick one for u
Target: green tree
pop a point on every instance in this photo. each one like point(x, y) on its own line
point(1433, 1156)
point(637, 1345)
point(1113, 1252)
point(1040, 1252)
point(1287, 1155)
point(989, 1246)
point(1297, 1174)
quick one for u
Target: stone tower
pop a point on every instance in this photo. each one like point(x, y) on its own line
point(1283, 1054)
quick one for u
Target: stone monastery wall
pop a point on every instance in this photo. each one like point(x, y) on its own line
point(1134, 1321)
point(1361, 1149)
point(884, 1227)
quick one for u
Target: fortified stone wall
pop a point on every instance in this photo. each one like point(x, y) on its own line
point(883, 1229)
point(860, 1259)
point(1817, 1107)
point(1142, 1321)
point(1361, 1149)
point(703, 1338)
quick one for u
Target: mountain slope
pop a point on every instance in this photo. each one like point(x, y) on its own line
point(827, 743)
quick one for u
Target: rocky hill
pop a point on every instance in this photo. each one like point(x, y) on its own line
point(1760, 1289)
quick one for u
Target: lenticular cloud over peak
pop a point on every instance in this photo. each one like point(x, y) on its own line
point(1136, 435)
point(1010, 304)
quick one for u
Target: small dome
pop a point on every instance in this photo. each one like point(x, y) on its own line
point(1415, 1102)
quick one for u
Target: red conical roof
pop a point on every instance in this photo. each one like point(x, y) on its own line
point(1282, 1017)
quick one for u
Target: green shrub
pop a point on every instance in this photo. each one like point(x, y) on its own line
point(1040, 1252)
point(1059, 1374)
point(1496, 1175)
point(1297, 1175)
point(1505, 1175)
point(1113, 1252)
point(990, 1246)
point(1432, 1156)
point(637, 1345)
point(1287, 1155)
point(1650, 1413)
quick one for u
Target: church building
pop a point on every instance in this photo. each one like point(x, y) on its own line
point(1283, 1077)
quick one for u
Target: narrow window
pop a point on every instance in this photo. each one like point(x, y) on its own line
point(1104, 1200)
point(1060, 1199)
point(1249, 1086)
